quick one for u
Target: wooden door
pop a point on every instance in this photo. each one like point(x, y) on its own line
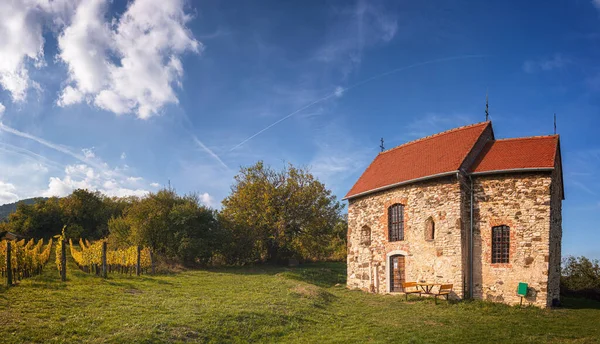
point(396, 272)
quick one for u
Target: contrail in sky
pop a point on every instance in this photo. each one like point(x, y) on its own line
point(208, 150)
point(7, 147)
point(54, 146)
point(340, 90)
point(200, 143)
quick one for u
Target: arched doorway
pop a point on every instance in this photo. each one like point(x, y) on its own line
point(397, 272)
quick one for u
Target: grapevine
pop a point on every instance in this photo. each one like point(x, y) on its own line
point(89, 257)
point(26, 259)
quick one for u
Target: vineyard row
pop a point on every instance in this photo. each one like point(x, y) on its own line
point(22, 259)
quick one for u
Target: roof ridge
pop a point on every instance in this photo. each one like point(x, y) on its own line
point(434, 135)
point(529, 137)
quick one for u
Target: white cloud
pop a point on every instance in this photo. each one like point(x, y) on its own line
point(547, 64)
point(57, 147)
point(88, 153)
point(21, 44)
point(69, 96)
point(207, 199)
point(7, 193)
point(339, 91)
point(123, 156)
point(365, 25)
point(134, 179)
point(596, 4)
point(82, 176)
point(2, 109)
point(91, 173)
point(21, 39)
point(154, 185)
point(128, 64)
point(131, 65)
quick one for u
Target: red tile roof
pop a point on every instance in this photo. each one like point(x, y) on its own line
point(426, 157)
point(518, 153)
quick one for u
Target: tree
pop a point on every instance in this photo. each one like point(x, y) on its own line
point(149, 221)
point(85, 214)
point(278, 215)
point(119, 232)
point(580, 276)
point(196, 231)
point(172, 225)
point(40, 220)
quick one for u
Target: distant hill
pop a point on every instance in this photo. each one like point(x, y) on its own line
point(9, 208)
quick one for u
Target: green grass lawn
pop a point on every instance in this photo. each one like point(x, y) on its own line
point(266, 304)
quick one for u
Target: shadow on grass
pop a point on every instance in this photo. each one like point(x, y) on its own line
point(320, 274)
point(47, 285)
point(245, 326)
point(257, 326)
point(154, 280)
point(579, 303)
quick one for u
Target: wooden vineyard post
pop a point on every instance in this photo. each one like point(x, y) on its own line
point(152, 261)
point(104, 272)
point(137, 265)
point(63, 261)
point(8, 266)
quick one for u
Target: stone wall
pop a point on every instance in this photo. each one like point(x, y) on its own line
point(437, 260)
point(529, 203)
point(521, 201)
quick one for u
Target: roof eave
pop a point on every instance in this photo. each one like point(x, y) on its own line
point(514, 170)
point(383, 188)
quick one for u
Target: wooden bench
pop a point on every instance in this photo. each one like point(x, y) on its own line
point(445, 290)
point(406, 289)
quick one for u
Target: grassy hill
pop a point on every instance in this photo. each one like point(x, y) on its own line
point(7, 209)
point(308, 304)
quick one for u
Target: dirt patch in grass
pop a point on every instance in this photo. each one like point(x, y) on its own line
point(132, 291)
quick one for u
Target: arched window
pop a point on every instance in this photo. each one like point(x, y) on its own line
point(365, 236)
point(396, 222)
point(500, 244)
point(429, 229)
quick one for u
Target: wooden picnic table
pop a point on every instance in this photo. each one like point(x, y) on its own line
point(427, 287)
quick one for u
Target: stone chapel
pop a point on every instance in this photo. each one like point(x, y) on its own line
point(464, 208)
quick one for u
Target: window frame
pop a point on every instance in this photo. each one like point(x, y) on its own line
point(396, 222)
point(428, 222)
point(365, 240)
point(500, 244)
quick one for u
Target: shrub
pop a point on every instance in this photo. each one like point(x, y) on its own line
point(580, 277)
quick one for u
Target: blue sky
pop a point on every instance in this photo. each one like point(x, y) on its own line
point(124, 96)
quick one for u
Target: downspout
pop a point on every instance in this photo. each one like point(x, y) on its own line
point(371, 283)
point(471, 242)
point(470, 263)
point(376, 278)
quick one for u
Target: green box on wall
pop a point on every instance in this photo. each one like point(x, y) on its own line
point(522, 289)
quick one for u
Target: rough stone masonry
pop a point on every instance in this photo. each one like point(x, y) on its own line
point(523, 196)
